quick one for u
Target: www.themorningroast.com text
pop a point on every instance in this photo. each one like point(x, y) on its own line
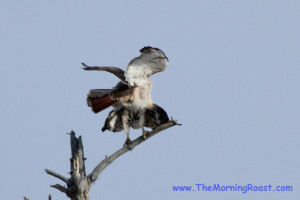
point(231, 188)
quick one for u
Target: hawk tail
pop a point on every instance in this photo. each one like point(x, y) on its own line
point(101, 103)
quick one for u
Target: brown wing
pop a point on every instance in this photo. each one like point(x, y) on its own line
point(114, 70)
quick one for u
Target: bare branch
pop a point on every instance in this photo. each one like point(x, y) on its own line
point(108, 160)
point(60, 188)
point(78, 185)
point(61, 177)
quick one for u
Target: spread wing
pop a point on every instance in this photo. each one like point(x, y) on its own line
point(151, 61)
point(100, 99)
point(114, 70)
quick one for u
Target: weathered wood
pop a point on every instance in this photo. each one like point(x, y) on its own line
point(79, 185)
point(60, 188)
point(61, 177)
point(77, 160)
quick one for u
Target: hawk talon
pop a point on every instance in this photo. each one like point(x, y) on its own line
point(127, 142)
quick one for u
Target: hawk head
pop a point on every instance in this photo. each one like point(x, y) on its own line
point(153, 52)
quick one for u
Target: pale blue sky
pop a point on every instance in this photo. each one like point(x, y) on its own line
point(233, 82)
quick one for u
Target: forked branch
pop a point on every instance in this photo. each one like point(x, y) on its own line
point(78, 185)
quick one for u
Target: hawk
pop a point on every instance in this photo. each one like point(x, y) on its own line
point(131, 97)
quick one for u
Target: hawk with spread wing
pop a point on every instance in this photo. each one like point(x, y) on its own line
point(131, 97)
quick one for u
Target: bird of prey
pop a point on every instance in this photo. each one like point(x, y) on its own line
point(131, 97)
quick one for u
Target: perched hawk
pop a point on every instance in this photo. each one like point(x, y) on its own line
point(131, 97)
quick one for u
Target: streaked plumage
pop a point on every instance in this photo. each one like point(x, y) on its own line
point(131, 97)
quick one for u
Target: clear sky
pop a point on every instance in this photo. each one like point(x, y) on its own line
point(233, 82)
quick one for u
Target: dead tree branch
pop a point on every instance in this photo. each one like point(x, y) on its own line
point(108, 160)
point(61, 177)
point(78, 185)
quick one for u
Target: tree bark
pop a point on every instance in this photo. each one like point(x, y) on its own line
point(79, 184)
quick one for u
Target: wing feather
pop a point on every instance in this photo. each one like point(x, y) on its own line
point(114, 70)
point(151, 61)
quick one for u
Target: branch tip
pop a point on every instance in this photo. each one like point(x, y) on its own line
point(60, 188)
point(56, 175)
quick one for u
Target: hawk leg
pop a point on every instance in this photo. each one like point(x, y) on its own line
point(126, 129)
point(145, 133)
